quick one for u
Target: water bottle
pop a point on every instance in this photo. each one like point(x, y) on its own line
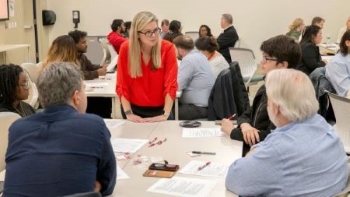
point(328, 40)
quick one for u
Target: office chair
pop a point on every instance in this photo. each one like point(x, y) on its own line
point(341, 108)
point(6, 120)
point(193, 34)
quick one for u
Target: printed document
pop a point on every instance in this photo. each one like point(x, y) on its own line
point(180, 186)
point(211, 170)
point(125, 145)
point(202, 132)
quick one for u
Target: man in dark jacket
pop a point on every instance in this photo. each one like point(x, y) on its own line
point(91, 71)
point(279, 52)
point(228, 38)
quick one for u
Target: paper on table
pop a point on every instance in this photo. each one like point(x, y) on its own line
point(126, 145)
point(202, 132)
point(113, 123)
point(121, 174)
point(212, 170)
point(96, 84)
point(187, 187)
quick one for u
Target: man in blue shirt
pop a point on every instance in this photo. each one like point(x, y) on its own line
point(303, 156)
point(338, 69)
point(62, 150)
point(195, 79)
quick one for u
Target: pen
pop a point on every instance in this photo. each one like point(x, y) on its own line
point(231, 117)
point(203, 153)
point(203, 166)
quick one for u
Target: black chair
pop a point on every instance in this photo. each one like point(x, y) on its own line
point(221, 103)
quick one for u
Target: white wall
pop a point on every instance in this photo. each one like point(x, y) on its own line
point(255, 20)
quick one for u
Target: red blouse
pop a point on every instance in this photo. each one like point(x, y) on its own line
point(150, 89)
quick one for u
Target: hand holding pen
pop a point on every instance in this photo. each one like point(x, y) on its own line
point(203, 166)
point(226, 125)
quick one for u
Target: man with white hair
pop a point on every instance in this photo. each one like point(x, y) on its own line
point(303, 156)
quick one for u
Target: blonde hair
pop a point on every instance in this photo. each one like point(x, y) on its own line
point(63, 49)
point(293, 92)
point(296, 23)
point(138, 23)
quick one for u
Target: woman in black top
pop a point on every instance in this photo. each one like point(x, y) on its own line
point(14, 87)
point(311, 58)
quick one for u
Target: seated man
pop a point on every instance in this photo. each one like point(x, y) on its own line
point(61, 150)
point(279, 52)
point(115, 37)
point(91, 71)
point(338, 69)
point(195, 79)
point(303, 156)
point(228, 38)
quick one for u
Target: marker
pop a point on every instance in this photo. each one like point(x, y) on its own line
point(203, 153)
point(202, 167)
point(231, 117)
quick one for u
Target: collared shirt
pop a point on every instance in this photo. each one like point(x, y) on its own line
point(150, 89)
point(59, 152)
point(116, 40)
point(196, 79)
point(338, 73)
point(304, 158)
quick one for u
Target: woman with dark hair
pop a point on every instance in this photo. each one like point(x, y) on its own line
point(338, 69)
point(14, 88)
point(208, 46)
point(204, 30)
point(174, 30)
point(311, 58)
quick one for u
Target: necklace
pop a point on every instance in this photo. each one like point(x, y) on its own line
point(211, 55)
point(20, 110)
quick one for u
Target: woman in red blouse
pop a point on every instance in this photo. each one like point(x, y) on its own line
point(147, 78)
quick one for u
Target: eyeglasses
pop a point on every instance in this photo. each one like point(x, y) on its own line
point(25, 85)
point(150, 33)
point(267, 58)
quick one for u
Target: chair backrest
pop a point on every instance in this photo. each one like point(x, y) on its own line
point(193, 34)
point(33, 98)
point(32, 70)
point(238, 43)
point(95, 51)
point(341, 108)
point(114, 58)
point(106, 53)
point(246, 60)
point(6, 119)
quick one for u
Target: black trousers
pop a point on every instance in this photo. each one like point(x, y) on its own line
point(146, 112)
point(191, 112)
point(101, 106)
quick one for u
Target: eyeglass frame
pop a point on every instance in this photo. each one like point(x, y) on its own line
point(267, 58)
point(150, 33)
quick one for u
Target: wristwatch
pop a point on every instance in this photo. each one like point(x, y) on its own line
point(128, 112)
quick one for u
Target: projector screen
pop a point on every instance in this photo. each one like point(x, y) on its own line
point(4, 10)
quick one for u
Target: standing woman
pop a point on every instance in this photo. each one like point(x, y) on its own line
point(147, 72)
point(14, 88)
point(311, 58)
